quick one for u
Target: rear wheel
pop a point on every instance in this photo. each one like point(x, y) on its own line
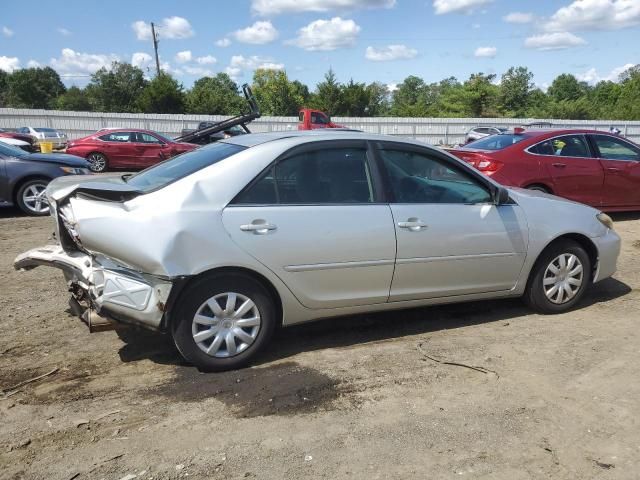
point(223, 322)
point(31, 197)
point(559, 278)
point(97, 162)
point(538, 188)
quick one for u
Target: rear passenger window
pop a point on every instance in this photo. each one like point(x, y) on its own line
point(329, 176)
point(566, 146)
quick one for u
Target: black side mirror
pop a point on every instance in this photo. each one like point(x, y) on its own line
point(501, 196)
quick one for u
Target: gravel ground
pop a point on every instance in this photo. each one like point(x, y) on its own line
point(354, 397)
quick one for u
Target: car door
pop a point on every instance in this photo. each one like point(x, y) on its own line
point(148, 150)
point(312, 218)
point(117, 147)
point(573, 168)
point(451, 237)
point(621, 163)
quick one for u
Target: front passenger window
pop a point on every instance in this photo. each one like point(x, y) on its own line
point(418, 178)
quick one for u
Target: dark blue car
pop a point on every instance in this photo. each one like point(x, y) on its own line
point(24, 176)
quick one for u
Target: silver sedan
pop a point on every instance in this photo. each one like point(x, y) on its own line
point(220, 245)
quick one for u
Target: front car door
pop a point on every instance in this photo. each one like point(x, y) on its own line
point(314, 219)
point(148, 149)
point(621, 162)
point(451, 237)
point(319, 120)
point(575, 171)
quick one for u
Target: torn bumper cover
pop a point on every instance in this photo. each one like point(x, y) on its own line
point(113, 291)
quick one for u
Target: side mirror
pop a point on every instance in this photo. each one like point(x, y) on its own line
point(501, 196)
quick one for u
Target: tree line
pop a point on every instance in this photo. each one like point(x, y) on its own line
point(124, 88)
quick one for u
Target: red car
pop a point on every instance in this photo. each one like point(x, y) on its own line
point(21, 136)
point(588, 166)
point(128, 148)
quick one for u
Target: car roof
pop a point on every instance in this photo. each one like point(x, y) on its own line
point(120, 129)
point(304, 136)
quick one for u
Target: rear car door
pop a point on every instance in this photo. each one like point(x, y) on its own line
point(621, 162)
point(573, 167)
point(314, 220)
point(117, 147)
point(451, 237)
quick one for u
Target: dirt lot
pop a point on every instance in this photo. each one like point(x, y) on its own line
point(353, 397)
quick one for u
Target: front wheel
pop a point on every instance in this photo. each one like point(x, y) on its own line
point(97, 162)
point(223, 322)
point(559, 278)
point(31, 197)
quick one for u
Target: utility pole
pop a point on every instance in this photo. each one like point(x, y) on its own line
point(155, 47)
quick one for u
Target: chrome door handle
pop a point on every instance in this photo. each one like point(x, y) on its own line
point(258, 227)
point(612, 169)
point(559, 165)
point(413, 224)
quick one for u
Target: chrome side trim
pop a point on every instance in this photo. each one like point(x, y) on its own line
point(455, 257)
point(334, 266)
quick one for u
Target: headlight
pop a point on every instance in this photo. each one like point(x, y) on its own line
point(606, 220)
point(75, 170)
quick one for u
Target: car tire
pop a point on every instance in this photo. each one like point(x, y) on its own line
point(97, 162)
point(559, 278)
point(215, 333)
point(31, 199)
point(538, 188)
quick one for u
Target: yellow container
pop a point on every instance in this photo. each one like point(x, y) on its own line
point(46, 147)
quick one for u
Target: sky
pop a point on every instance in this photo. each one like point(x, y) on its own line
point(363, 40)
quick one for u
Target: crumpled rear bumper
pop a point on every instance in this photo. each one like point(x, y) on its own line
point(114, 291)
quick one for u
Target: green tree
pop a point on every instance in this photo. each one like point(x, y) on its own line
point(566, 87)
point(515, 87)
point(628, 104)
point(215, 96)
point(74, 99)
point(34, 88)
point(355, 100)
point(410, 98)
point(275, 94)
point(328, 96)
point(301, 91)
point(378, 99)
point(537, 104)
point(481, 95)
point(163, 94)
point(4, 87)
point(603, 98)
point(116, 89)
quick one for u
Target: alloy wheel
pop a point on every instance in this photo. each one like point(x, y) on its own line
point(35, 199)
point(226, 325)
point(563, 278)
point(97, 162)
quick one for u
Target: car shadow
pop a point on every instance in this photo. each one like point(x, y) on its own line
point(339, 332)
point(7, 211)
point(625, 216)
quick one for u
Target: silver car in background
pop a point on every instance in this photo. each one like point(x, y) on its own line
point(220, 245)
point(43, 134)
point(476, 133)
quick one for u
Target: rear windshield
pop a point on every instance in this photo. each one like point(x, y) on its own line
point(496, 142)
point(44, 130)
point(181, 166)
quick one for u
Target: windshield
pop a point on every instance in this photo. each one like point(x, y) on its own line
point(181, 166)
point(496, 142)
point(11, 151)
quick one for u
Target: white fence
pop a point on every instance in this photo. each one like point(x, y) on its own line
point(431, 130)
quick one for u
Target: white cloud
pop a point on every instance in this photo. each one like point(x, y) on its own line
point(392, 87)
point(595, 14)
point(9, 64)
point(390, 52)
point(327, 35)
point(258, 33)
point(63, 31)
point(7, 32)
point(276, 7)
point(592, 76)
point(33, 64)
point(223, 42)
point(141, 60)
point(199, 71)
point(170, 27)
point(183, 57)
point(554, 41)
point(485, 52)
point(71, 62)
point(206, 60)
point(457, 6)
point(518, 17)
point(239, 64)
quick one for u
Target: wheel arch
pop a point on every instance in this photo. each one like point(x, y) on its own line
point(17, 185)
point(182, 286)
point(543, 185)
point(582, 240)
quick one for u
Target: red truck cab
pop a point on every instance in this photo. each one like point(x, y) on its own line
point(310, 119)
